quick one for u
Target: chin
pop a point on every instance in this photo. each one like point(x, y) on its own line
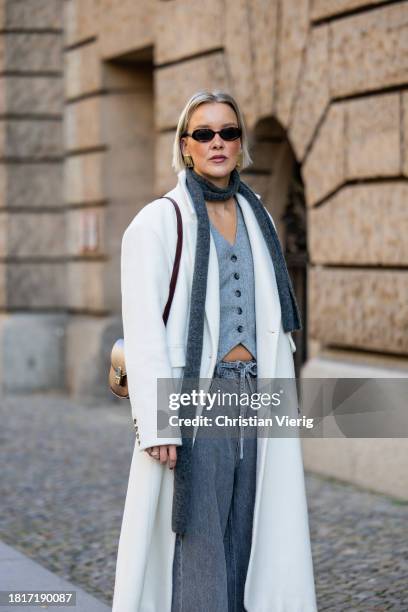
point(218, 172)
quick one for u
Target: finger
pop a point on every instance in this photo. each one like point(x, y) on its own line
point(155, 452)
point(172, 456)
point(163, 454)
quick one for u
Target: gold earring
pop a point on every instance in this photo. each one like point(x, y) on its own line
point(239, 160)
point(188, 160)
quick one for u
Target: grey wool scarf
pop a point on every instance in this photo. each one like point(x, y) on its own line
point(201, 190)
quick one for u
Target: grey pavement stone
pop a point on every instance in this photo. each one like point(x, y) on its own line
point(63, 484)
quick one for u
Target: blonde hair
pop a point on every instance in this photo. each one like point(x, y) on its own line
point(200, 97)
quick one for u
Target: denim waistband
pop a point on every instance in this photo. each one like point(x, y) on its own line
point(241, 368)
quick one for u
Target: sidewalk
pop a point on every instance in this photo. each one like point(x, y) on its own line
point(63, 485)
point(20, 573)
point(63, 481)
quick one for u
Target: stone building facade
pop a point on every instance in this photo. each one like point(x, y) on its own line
point(90, 93)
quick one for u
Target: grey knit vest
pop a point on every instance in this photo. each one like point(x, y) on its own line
point(237, 290)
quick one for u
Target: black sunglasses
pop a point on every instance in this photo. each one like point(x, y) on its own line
point(206, 134)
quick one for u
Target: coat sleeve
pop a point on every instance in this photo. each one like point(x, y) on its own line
point(145, 279)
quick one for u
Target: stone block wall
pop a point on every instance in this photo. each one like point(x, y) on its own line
point(102, 83)
point(33, 267)
point(108, 170)
point(355, 173)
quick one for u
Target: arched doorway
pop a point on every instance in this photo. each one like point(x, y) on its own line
point(276, 176)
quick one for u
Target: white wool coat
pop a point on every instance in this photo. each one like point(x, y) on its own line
point(280, 573)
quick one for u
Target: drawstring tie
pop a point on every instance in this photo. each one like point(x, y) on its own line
point(245, 368)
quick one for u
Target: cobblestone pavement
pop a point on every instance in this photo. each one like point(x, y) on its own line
point(64, 471)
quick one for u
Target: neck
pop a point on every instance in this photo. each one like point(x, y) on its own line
point(225, 206)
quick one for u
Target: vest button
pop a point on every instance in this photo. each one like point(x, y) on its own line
point(239, 310)
point(236, 275)
point(237, 293)
point(240, 328)
point(234, 258)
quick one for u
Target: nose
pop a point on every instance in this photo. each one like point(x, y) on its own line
point(217, 140)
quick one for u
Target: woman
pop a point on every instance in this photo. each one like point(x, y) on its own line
point(212, 523)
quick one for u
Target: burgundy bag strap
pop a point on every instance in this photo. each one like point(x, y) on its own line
point(176, 264)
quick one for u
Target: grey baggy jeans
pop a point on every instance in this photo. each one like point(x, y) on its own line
point(211, 558)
